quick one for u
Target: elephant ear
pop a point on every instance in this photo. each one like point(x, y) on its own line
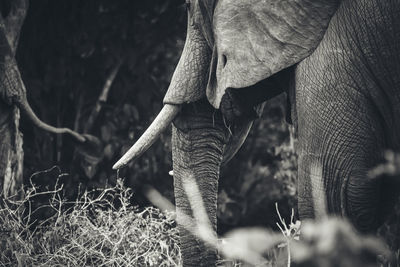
point(256, 38)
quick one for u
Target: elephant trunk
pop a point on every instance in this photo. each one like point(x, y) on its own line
point(13, 91)
point(198, 142)
point(27, 110)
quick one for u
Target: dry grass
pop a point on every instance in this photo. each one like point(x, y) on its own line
point(101, 228)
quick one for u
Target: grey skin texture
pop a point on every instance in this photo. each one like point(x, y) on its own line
point(341, 64)
point(197, 152)
point(346, 102)
point(348, 108)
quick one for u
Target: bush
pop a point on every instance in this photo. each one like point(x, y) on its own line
point(101, 228)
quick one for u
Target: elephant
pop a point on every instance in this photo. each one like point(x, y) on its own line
point(338, 62)
point(13, 91)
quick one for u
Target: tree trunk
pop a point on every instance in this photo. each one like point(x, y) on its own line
point(11, 152)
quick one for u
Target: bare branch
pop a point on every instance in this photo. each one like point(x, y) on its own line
point(103, 96)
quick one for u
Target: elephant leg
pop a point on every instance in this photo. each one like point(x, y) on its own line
point(341, 137)
point(340, 140)
point(198, 140)
point(346, 108)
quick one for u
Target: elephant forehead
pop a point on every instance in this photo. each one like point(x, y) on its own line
point(257, 38)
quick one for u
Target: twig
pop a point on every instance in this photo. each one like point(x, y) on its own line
point(78, 112)
point(103, 96)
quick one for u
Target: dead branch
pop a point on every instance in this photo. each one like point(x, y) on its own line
point(103, 96)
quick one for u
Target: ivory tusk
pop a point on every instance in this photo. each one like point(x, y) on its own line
point(158, 126)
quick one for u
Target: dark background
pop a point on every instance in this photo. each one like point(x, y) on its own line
point(66, 52)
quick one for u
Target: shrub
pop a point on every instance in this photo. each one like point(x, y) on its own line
point(101, 228)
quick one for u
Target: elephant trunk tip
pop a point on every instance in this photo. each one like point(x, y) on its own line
point(24, 106)
point(158, 126)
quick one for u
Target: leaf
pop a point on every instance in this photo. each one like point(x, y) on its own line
point(249, 244)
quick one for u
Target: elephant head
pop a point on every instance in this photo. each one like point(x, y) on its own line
point(236, 45)
point(233, 51)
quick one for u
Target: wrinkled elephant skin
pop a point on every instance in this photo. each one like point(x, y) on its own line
point(348, 109)
point(339, 62)
point(198, 144)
